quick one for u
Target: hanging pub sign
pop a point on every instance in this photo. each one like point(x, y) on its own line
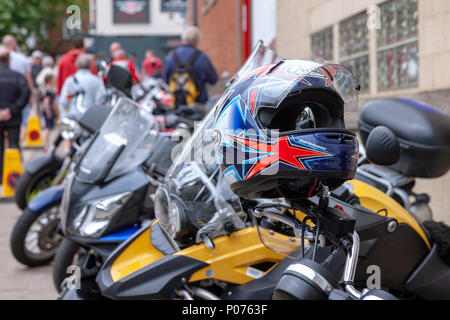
point(173, 5)
point(131, 11)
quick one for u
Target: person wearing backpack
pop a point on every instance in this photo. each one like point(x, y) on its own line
point(188, 71)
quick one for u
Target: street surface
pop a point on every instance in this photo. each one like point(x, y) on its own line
point(18, 282)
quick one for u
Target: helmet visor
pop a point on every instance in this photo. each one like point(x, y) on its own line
point(270, 85)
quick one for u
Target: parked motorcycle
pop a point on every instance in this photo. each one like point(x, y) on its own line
point(201, 246)
point(106, 197)
point(34, 239)
point(49, 169)
point(182, 255)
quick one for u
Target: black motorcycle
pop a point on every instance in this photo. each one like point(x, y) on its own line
point(34, 238)
point(107, 196)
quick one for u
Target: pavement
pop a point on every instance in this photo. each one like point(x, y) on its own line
point(19, 282)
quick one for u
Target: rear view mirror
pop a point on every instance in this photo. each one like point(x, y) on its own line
point(382, 147)
point(120, 78)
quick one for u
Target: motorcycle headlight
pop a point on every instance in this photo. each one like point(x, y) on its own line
point(171, 215)
point(91, 219)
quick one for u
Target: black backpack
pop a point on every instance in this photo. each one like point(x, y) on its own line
point(182, 82)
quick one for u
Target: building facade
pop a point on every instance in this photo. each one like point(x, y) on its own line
point(139, 25)
point(230, 29)
point(397, 48)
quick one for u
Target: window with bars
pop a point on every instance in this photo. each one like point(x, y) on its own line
point(322, 44)
point(397, 45)
point(354, 48)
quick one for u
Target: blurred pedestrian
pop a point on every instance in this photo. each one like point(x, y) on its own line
point(14, 96)
point(82, 84)
point(152, 65)
point(47, 68)
point(49, 107)
point(67, 66)
point(120, 58)
point(20, 64)
point(113, 48)
point(101, 63)
point(190, 61)
point(36, 68)
point(36, 65)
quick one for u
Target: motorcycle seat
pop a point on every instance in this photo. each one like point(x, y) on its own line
point(422, 131)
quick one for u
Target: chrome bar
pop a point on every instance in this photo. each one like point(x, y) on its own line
point(350, 268)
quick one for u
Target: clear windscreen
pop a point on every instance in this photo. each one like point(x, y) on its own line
point(123, 143)
point(260, 56)
point(195, 175)
point(196, 180)
point(280, 231)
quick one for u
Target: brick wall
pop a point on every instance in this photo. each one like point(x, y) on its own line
point(220, 26)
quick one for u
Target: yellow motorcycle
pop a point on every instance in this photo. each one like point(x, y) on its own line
point(207, 244)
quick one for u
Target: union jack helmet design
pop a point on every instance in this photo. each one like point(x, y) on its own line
point(281, 130)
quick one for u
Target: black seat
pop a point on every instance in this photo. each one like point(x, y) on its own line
point(423, 133)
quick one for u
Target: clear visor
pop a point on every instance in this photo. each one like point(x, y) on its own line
point(275, 82)
point(124, 142)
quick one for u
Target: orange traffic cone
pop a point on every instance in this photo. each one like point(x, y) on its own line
point(12, 170)
point(34, 137)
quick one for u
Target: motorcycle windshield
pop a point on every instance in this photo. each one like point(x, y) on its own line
point(195, 177)
point(260, 56)
point(123, 143)
point(195, 181)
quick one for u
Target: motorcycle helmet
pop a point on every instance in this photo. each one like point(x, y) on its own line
point(281, 130)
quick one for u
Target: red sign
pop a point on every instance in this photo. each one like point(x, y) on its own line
point(131, 11)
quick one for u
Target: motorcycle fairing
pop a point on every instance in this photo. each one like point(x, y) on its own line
point(377, 201)
point(43, 161)
point(232, 256)
point(138, 270)
point(138, 258)
point(46, 199)
point(431, 280)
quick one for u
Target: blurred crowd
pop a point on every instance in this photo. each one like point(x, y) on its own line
point(41, 86)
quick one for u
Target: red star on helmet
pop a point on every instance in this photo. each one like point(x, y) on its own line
point(282, 151)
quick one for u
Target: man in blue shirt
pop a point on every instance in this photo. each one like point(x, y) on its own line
point(205, 73)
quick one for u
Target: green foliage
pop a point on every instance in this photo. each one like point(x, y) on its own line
point(23, 18)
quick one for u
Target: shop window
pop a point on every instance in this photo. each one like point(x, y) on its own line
point(397, 51)
point(354, 48)
point(322, 45)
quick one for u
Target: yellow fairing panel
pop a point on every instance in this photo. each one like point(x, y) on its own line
point(232, 256)
point(137, 255)
point(376, 200)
